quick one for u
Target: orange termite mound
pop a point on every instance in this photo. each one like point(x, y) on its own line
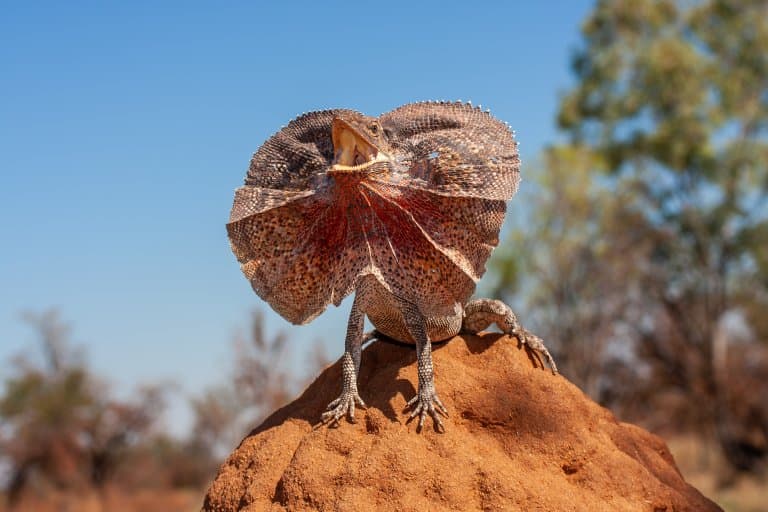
point(518, 438)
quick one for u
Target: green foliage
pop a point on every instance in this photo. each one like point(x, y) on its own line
point(56, 401)
point(651, 224)
point(674, 96)
point(572, 295)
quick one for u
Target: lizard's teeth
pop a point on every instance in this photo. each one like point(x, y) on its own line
point(380, 157)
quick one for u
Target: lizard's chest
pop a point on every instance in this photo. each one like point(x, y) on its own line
point(384, 312)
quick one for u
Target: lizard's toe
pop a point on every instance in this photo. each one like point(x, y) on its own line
point(427, 403)
point(535, 347)
point(344, 404)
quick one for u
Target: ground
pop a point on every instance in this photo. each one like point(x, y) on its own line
point(518, 438)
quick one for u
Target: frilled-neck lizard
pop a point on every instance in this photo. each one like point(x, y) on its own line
point(403, 209)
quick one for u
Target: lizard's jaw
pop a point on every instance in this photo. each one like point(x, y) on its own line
point(352, 151)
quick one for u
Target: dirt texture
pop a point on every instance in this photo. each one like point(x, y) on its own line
point(518, 438)
point(109, 499)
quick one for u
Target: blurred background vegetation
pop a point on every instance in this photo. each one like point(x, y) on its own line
point(68, 443)
point(640, 253)
point(643, 254)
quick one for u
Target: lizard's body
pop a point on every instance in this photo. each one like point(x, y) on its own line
point(403, 209)
point(383, 311)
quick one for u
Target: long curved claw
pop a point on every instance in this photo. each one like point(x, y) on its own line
point(427, 402)
point(344, 404)
point(534, 344)
point(480, 313)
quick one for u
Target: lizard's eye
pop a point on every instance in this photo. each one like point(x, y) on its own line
point(374, 129)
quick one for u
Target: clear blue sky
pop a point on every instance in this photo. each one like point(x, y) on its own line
point(126, 126)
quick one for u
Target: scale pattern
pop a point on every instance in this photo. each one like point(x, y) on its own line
point(409, 233)
point(422, 224)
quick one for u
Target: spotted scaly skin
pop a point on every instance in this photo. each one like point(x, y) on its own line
point(403, 209)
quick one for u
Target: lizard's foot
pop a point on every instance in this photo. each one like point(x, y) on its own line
point(480, 313)
point(427, 401)
point(345, 404)
point(535, 347)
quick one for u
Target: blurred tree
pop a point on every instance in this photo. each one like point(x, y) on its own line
point(60, 426)
point(44, 407)
point(259, 384)
point(656, 224)
point(560, 255)
point(115, 428)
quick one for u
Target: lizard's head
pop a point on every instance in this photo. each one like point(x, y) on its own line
point(358, 142)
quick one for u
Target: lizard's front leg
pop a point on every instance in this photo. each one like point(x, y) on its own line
point(426, 399)
point(350, 368)
point(481, 313)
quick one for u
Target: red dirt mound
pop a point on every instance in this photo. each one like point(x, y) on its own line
point(519, 438)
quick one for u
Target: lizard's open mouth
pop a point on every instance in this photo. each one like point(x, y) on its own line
point(351, 149)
